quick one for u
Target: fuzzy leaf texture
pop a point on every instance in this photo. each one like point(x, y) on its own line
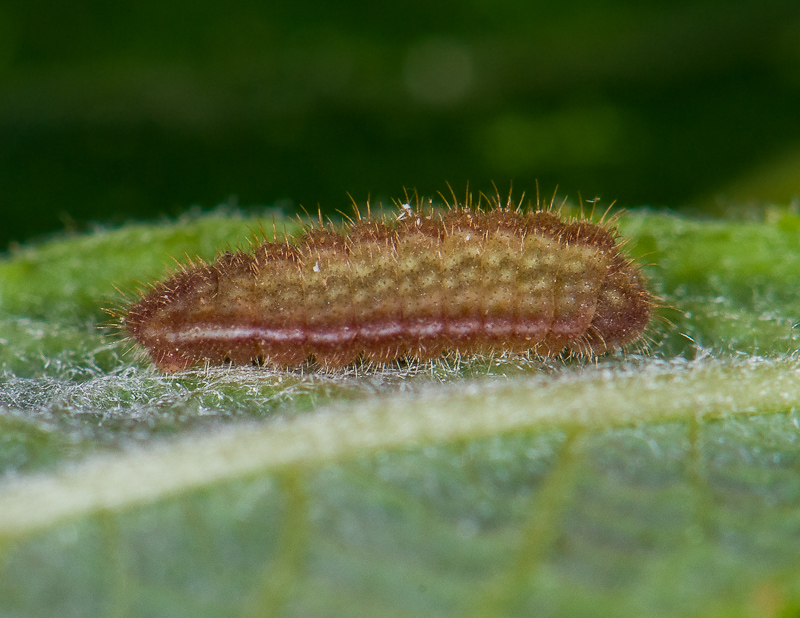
point(662, 483)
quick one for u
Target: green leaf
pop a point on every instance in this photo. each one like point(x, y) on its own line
point(658, 482)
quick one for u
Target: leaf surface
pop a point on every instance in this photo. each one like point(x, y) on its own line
point(657, 483)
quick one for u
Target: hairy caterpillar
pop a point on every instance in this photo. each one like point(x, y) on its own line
point(469, 279)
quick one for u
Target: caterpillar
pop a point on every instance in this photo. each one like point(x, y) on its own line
point(474, 280)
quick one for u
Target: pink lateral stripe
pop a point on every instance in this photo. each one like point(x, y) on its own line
point(370, 332)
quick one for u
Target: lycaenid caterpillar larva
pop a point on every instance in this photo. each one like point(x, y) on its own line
point(474, 280)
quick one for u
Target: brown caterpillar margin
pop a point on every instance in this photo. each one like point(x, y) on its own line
point(466, 279)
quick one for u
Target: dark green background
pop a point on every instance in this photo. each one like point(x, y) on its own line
point(114, 111)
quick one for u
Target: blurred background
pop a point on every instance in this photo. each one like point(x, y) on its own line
point(111, 112)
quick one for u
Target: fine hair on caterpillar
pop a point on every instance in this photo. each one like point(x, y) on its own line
point(468, 278)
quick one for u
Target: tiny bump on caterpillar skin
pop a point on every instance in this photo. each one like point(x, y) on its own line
point(466, 279)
